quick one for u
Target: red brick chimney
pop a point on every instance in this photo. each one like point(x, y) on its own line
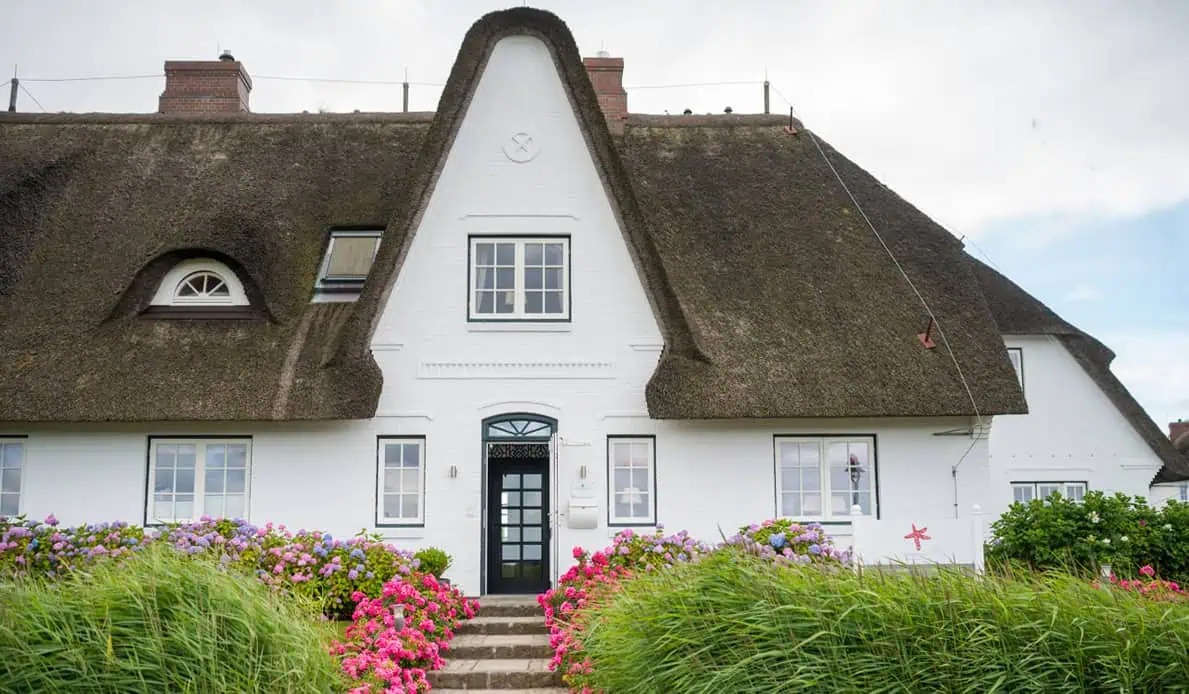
point(1178, 429)
point(606, 74)
point(205, 86)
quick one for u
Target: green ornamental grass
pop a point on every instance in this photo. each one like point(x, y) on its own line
point(163, 622)
point(731, 623)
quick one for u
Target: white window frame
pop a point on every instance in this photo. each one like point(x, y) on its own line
point(200, 444)
point(612, 492)
point(824, 490)
point(22, 465)
point(166, 294)
point(1061, 486)
point(1016, 356)
point(389, 521)
point(518, 314)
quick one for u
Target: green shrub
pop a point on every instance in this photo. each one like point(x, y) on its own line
point(433, 561)
point(161, 623)
point(735, 623)
point(1118, 530)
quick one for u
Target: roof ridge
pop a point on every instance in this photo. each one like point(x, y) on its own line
point(245, 118)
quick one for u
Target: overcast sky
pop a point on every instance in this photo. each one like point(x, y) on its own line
point(1053, 135)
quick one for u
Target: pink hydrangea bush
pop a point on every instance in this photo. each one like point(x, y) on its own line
point(377, 656)
point(309, 563)
point(596, 576)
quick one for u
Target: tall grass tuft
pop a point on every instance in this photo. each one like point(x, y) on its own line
point(160, 623)
point(733, 624)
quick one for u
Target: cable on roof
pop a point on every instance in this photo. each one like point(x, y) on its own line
point(932, 316)
point(346, 81)
point(30, 94)
point(693, 84)
point(978, 248)
point(90, 79)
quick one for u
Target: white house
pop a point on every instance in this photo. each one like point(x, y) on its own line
point(1083, 429)
point(512, 326)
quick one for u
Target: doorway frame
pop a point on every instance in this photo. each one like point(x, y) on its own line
point(545, 436)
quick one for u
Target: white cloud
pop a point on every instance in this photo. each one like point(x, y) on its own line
point(976, 112)
point(1083, 292)
point(1152, 365)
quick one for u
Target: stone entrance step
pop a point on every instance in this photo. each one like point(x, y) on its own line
point(509, 606)
point(477, 646)
point(504, 625)
point(501, 673)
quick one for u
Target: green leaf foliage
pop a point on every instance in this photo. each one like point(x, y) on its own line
point(1120, 531)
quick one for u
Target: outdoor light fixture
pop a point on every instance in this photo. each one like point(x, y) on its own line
point(582, 472)
point(453, 471)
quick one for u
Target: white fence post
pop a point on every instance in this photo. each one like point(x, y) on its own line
point(976, 536)
point(856, 512)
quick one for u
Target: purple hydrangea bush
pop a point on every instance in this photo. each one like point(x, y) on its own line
point(784, 541)
point(308, 563)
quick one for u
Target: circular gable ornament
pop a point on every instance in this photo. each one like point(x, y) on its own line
point(521, 148)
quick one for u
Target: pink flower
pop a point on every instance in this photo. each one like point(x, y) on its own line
point(1148, 570)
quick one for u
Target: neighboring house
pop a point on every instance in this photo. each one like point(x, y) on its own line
point(1178, 433)
point(1083, 430)
point(506, 328)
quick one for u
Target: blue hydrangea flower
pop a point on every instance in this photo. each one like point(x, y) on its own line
point(815, 549)
point(777, 540)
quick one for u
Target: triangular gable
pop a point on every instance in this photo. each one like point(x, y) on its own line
point(452, 107)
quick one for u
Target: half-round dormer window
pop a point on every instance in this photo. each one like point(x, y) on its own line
point(202, 287)
point(200, 282)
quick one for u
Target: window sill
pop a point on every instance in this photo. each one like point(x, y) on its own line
point(410, 533)
point(520, 327)
point(637, 529)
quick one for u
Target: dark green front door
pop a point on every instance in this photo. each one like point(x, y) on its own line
point(518, 526)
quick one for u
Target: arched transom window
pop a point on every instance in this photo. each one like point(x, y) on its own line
point(522, 427)
point(200, 282)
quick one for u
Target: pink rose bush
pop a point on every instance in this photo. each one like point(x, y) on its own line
point(310, 563)
point(596, 577)
point(381, 655)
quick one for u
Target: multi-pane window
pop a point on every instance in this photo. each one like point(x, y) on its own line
point(1017, 362)
point(189, 478)
point(1024, 492)
point(526, 279)
point(632, 468)
point(12, 464)
point(401, 482)
point(825, 477)
point(200, 284)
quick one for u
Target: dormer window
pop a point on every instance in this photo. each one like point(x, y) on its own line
point(347, 263)
point(193, 287)
point(203, 288)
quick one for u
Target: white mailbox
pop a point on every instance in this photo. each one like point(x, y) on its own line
point(583, 514)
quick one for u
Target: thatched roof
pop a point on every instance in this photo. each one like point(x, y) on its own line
point(775, 299)
point(1017, 312)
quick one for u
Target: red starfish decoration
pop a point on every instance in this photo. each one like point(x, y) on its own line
point(917, 535)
